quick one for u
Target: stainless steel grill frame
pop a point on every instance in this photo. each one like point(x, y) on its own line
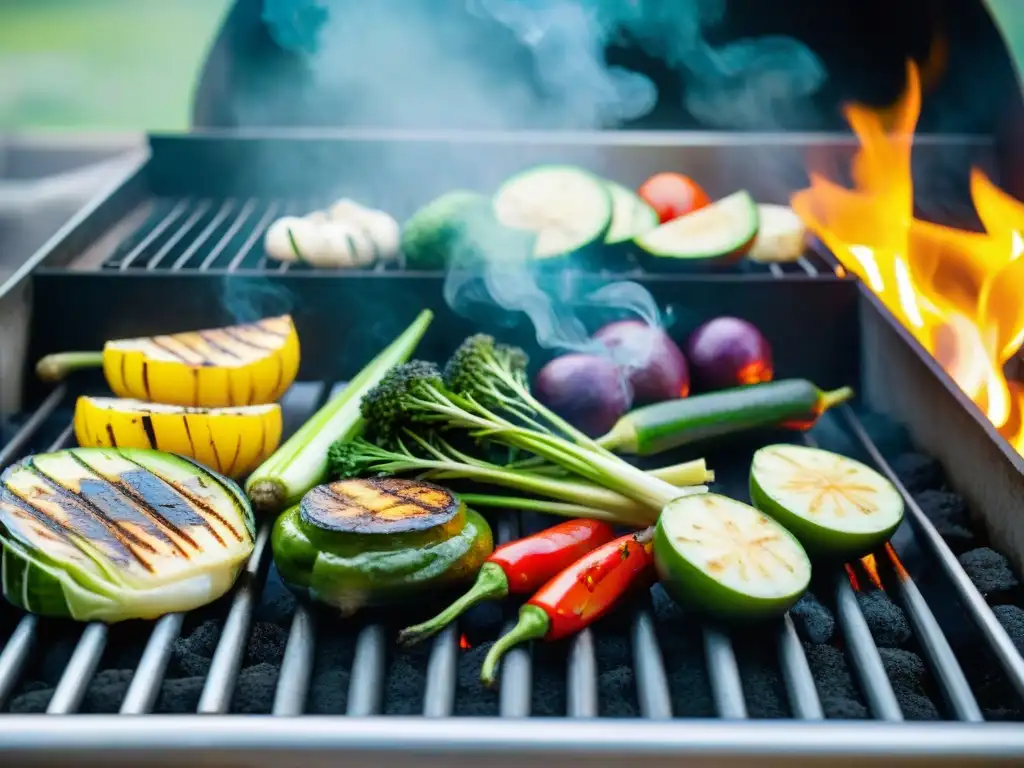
point(363, 735)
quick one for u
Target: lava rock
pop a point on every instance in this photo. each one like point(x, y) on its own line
point(266, 644)
point(948, 513)
point(1012, 619)
point(406, 681)
point(764, 691)
point(814, 622)
point(616, 692)
point(990, 572)
point(179, 697)
point(909, 678)
point(831, 673)
point(885, 619)
point(328, 692)
point(202, 640)
point(254, 692)
point(106, 691)
point(31, 703)
point(843, 708)
point(918, 473)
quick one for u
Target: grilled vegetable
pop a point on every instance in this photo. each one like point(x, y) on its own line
point(248, 364)
point(652, 362)
point(232, 441)
point(790, 403)
point(631, 215)
point(833, 504)
point(728, 352)
point(102, 534)
point(717, 235)
point(567, 208)
point(589, 391)
point(301, 462)
point(348, 236)
point(781, 236)
point(432, 235)
point(356, 543)
point(672, 195)
point(726, 558)
point(519, 567)
point(578, 596)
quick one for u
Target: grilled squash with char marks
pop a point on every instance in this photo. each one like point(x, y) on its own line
point(248, 364)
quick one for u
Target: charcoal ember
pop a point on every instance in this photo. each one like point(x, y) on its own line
point(918, 473)
point(764, 691)
point(266, 644)
point(1012, 619)
point(472, 698)
point(33, 702)
point(683, 656)
point(948, 513)
point(180, 696)
point(814, 622)
point(254, 691)
point(406, 681)
point(202, 640)
point(886, 620)
point(843, 708)
point(549, 662)
point(831, 673)
point(184, 663)
point(332, 664)
point(616, 687)
point(909, 678)
point(990, 572)
point(328, 692)
point(106, 691)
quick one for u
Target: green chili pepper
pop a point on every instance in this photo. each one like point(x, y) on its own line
point(364, 542)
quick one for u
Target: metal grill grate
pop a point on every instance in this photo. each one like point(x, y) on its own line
point(202, 234)
point(368, 667)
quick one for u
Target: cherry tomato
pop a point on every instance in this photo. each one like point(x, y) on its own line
point(673, 195)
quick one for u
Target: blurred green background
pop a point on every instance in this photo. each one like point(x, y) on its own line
point(110, 65)
point(130, 65)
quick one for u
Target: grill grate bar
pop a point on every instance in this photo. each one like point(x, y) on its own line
point(173, 215)
point(581, 680)
point(860, 645)
point(297, 665)
point(439, 695)
point(972, 600)
point(255, 235)
point(955, 689)
point(516, 667)
point(651, 683)
point(807, 267)
point(179, 234)
point(724, 672)
point(227, 658)
point(229, 235)
point(14, 446)
point(145, 686)
point(78, 674)
point(202, 237)
point(863, 653)
point(796, 672)
point(15, 655)
point(366, 689)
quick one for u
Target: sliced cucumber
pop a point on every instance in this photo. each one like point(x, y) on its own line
point(568, 209)
point(631, 215)
point(716, 235)
point(723, 557)
point(833, 504)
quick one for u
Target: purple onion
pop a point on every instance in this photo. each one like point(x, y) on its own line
point(728, 352)
point(586, 390)
point(652, 362)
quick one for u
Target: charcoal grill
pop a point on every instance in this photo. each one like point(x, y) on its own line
point(178, 244)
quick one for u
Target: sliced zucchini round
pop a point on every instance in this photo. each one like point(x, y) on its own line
point(567, 208)
point(835, 505)
point(631, 215)
point(716, 235)
point(726, 558)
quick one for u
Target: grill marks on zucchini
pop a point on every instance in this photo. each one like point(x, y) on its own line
point(378, 505)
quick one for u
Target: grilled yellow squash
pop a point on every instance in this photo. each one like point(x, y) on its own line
point(248, 364)
point(231, 441)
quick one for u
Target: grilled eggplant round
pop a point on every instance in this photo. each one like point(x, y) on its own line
point(103, 534)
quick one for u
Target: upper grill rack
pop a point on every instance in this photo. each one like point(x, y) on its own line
point(226, 235)
point(367, 681)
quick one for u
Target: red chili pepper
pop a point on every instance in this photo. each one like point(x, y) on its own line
point(520, 567)
point(579, 595)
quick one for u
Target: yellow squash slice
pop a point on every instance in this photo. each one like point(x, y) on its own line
point(249, 364)
point(231, 441)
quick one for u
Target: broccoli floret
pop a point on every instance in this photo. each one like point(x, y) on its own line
point(493, 374)
point(395, 403)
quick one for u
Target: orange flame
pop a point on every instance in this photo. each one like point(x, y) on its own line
point(871, 569)
point(464, 643)
point(960, 293)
